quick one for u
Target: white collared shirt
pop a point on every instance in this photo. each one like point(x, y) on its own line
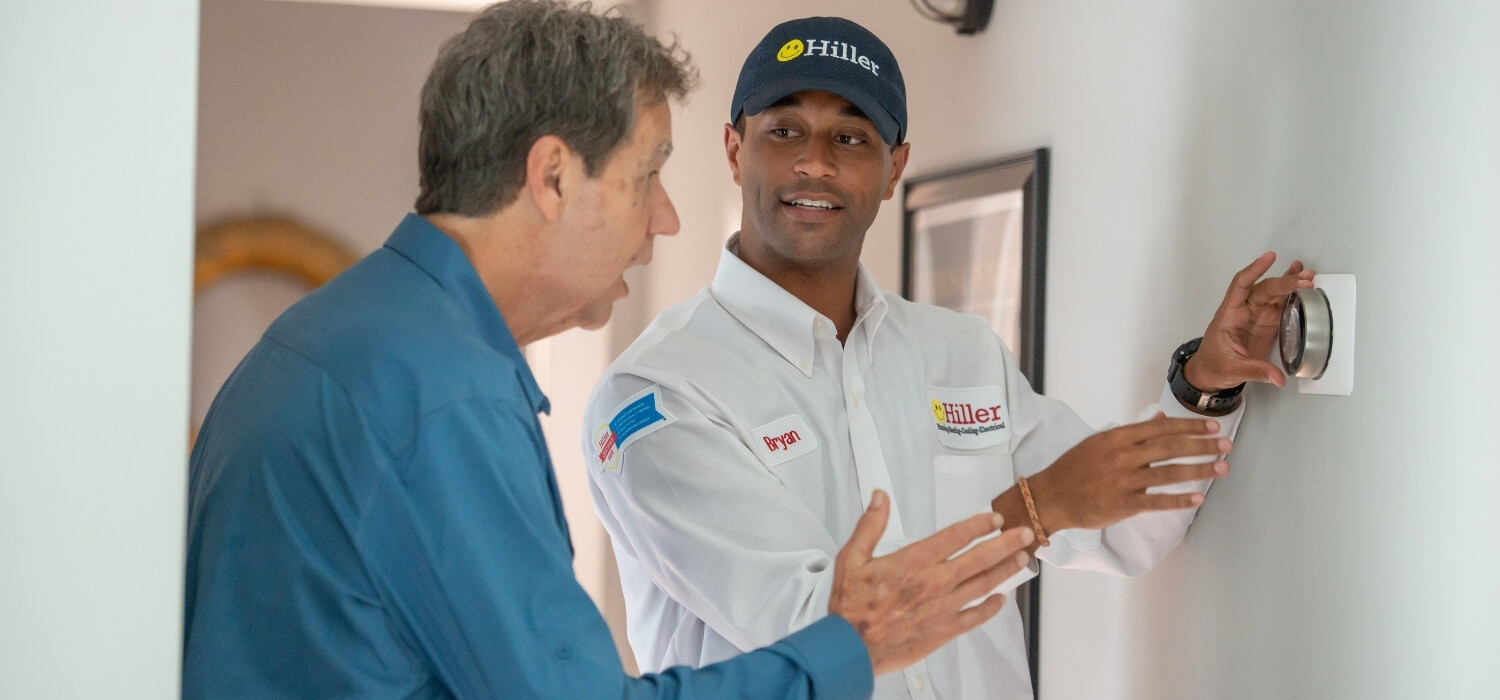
point(732, 447)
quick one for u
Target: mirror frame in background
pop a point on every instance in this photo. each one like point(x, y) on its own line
point(970, 194)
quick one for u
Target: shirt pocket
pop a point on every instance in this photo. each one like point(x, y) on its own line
point(964, 485)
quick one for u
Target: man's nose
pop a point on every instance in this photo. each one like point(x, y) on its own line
point(815, 159)
point(664, 221)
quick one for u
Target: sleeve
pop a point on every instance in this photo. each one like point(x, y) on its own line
point(1047, 428)
point(713, 529)
point(470, 553)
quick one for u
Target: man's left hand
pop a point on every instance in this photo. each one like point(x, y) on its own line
point(1245, 328)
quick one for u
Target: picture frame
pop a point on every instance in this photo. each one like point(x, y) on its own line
point(974, 239)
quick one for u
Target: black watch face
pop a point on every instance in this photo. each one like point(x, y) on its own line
point(1292, 341)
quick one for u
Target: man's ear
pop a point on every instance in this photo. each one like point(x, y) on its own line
point(546, 168)
point(732, 142)
point(899, 155)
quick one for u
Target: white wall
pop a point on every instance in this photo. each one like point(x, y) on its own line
point(1361, 136)
point(96, 224)
point(1347, 555)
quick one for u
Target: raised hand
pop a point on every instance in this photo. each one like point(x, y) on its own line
point(910, 602)
point(1245, 327)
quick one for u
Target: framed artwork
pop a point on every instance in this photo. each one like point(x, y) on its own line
point(975, 240)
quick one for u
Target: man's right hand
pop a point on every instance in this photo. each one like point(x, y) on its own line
point(1104, 478)
point(910, 602)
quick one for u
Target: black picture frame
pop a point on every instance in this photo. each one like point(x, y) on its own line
point(970, 203)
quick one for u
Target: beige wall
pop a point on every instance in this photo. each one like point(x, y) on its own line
point(1337, 561)
point(308, 110)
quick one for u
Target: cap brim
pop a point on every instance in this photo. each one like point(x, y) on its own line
point(757, 102)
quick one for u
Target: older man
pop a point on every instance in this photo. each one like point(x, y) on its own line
point(373, 512)
point(793, 387)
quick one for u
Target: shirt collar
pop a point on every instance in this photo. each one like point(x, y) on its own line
point(778, 317)
point(438, 255)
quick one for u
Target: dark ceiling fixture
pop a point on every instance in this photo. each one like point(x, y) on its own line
point(967, 16)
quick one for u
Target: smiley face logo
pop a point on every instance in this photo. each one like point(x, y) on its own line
point(939, 412)
point(790, 50)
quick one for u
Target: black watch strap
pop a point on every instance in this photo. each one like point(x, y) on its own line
point(1215, 403)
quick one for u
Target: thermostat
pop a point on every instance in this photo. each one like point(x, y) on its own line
point(1317, 336)
point(1306, 333)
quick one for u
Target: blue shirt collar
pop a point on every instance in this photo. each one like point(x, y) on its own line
point(438, 255)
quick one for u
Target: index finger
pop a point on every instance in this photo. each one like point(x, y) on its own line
point(1161, 426)
point(1244, 280)
point(988, 554)
point(1276, 289)
point(942, 544)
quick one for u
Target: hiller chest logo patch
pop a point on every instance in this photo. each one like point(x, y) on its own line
point(971, 418)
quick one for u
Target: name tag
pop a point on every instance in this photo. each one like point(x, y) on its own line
point(638, 417)
point(970, 419)
point(782, 440)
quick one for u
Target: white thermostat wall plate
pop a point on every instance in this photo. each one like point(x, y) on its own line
point(1338, 378)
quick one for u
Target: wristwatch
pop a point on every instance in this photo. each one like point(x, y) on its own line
point(1217, 403)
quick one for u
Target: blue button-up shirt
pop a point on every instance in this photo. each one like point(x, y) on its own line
point(372, 513)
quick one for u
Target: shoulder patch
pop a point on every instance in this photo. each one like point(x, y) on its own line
point(639, 416)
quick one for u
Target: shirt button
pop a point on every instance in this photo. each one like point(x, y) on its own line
point(565, 653)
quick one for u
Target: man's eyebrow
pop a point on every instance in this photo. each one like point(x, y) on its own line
point(850, 110)
point(788, 101)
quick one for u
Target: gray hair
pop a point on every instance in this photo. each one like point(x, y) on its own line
point(522, 70)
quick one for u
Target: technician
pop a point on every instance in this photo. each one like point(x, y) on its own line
point(792, 388)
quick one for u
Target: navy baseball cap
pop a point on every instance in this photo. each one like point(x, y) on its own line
point(830, 54)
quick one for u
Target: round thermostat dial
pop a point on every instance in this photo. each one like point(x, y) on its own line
point(1306, 333)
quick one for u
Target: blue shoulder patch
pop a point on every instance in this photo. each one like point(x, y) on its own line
point(638, 417)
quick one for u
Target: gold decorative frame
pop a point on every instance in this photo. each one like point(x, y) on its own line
point(276, 243)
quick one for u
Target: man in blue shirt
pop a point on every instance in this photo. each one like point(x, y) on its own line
point(372, 510)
